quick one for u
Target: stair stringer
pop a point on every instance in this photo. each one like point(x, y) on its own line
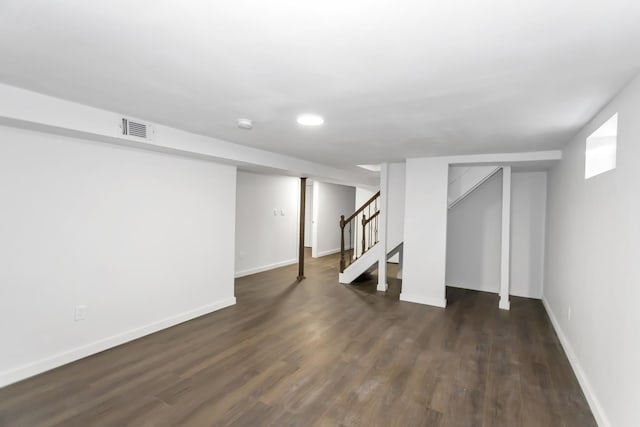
point(366, 263)
point(466, 181)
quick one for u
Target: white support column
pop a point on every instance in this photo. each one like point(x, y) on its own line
point(506, 238)
point(382, 228)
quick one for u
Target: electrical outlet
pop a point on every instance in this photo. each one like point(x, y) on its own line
point(81, 312)
point(281, 212)
point(275, 212)
point(569, 314)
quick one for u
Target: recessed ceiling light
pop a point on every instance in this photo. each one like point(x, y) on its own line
point(245, 124)
point(310, 120)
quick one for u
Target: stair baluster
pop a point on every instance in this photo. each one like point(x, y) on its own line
point(364, 220)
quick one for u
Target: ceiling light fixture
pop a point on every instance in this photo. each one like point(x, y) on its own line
point(310, 120)
point(246, 124)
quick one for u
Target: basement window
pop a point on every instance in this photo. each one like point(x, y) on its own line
point(600, 154)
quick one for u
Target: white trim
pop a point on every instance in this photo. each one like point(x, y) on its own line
point(366, 263)
point(382, 287)
point(505, 237)
point(33, 368)
point(495, 290)
point(464, 195)
point(504, 158)
point(382, 232)
point(265, 267)
point(587, 389)
point(524, 295)
point(325, 253)
point(419, 299)
point(504, 304)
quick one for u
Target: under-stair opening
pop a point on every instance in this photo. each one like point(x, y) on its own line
point(474, 223)
point(367, 282)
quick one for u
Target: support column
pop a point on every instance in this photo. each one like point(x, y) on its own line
point(303, 195)
point(425, 231)
point(382, 228)
point(505, 262)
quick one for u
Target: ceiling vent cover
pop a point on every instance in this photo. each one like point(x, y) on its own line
point(136, 129)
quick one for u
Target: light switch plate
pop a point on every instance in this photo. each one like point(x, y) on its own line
point(80, 313)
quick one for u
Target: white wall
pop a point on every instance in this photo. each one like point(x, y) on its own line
point(593, 268)
point(473, 236)
point(308, 215)
point(361, 197)
point(425, 231)
point(528, 225)
point(144, 240)
point(23, 108)
point(395, 217)
point(265, 240)
point(329, 202)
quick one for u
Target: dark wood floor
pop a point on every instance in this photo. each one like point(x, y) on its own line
point(318, 353)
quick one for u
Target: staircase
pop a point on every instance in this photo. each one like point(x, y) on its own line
point(359, 232)
point(464, 179)
point(359, 242)
point(360, 250)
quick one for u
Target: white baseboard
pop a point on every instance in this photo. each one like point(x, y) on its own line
point(420, 299)
point(265, 267)
point(325, 253)
point(493, 290)
point(523, 295)
point(594, 403)
point(51, 362)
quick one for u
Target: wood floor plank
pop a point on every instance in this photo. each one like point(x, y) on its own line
point(502, 405)
point(317, 353)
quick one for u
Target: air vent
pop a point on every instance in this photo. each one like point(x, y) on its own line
point(136, 129)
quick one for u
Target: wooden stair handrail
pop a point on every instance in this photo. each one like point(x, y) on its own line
point(373, 234)
point(366, 220)
point(360, 209)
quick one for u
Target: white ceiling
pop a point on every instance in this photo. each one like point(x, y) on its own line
point(392, 78)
